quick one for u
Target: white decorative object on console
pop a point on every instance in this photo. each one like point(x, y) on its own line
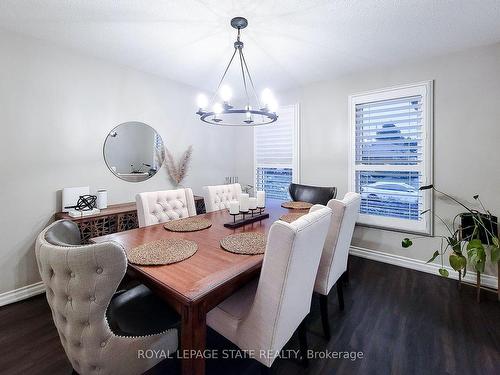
point(102, 199)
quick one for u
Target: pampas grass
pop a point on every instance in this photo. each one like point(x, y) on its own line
point(178, 171)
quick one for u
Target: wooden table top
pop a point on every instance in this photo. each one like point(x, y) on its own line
point(192, 279)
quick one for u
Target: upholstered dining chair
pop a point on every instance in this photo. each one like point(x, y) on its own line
point(217, 197)
point(312, 194)
point(161, 206)
point(333, 262)
point(263, 315)
point(80, 282)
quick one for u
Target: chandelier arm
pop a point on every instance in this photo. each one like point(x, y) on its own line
point(243, 75)
point(251, 80)
point(223, 76)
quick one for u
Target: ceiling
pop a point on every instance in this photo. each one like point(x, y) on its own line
point(287, 43)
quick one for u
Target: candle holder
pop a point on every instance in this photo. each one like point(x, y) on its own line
point(234, 216)
point(236, 223)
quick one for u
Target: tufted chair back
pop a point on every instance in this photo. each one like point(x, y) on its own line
point(217, 197)
point(161, 206)
point(285, 288)
point(338, 241)
point(80, 282)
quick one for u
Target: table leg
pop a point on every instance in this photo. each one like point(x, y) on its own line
point(193, 340)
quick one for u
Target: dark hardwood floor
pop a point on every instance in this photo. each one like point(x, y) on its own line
point(404, 322)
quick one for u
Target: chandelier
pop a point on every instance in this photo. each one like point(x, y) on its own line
point(252, 111)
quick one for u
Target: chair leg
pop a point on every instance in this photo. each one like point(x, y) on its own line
point(303, 342)
point(340, 294)
point(345, 275)
point(323, 304)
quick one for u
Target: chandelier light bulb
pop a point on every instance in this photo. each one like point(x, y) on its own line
point(249, 115)
point(217, 108)
point(273, 105)
point(225, 93)
point(267, 96)
point(202, 101)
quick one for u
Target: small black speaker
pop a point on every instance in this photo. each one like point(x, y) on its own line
point(490, 222)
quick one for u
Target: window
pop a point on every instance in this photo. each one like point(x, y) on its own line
point(276, 154)
point(391, 156)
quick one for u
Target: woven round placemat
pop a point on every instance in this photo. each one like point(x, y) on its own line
point(291, 217)
point(188, 224)
point(162, 252)
point(244, 243)
point(297, 205)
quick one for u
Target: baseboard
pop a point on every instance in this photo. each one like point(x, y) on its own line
point(21, 293)
point(420, 265)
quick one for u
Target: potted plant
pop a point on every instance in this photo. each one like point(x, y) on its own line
point(467, 243)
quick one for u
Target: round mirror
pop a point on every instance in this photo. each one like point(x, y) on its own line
point(134, 151)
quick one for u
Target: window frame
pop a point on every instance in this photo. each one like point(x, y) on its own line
point(425, 89)
point(296, 148)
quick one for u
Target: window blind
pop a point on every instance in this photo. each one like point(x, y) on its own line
point(390, 156)
point(274, 152)
point(389, 132)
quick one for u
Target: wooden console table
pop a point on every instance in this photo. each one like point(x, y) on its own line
point(115, 218)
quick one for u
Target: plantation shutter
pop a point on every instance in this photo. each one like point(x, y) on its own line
point(274, 152)
point(391, 156)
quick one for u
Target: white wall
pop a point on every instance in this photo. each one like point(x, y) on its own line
point(466, 134)
point(56, 108)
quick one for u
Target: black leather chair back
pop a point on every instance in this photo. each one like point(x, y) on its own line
point(64, 233)
point(312, 194)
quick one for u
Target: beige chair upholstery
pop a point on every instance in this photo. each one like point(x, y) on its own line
point(161, 206)
point(338, 241)
point(333, 262)
point(218, 197)
point(80, 281)
point(264, 314)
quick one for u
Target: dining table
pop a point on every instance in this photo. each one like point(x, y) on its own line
point(197, 284)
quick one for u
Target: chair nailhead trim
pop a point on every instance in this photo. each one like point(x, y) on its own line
point(99, 270)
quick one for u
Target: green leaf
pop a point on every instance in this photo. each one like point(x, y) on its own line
point(406, 243)
point(457, 262)
point(495, 241)
point(474, 244)
point(444, 272)
point(454, 244)
point(434, 256)
point(495, 254)
point(476, 255)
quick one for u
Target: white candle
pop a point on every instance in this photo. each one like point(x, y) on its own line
point(261, 199)
point(244, 202)
point(234, 207)
point(252, 203)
